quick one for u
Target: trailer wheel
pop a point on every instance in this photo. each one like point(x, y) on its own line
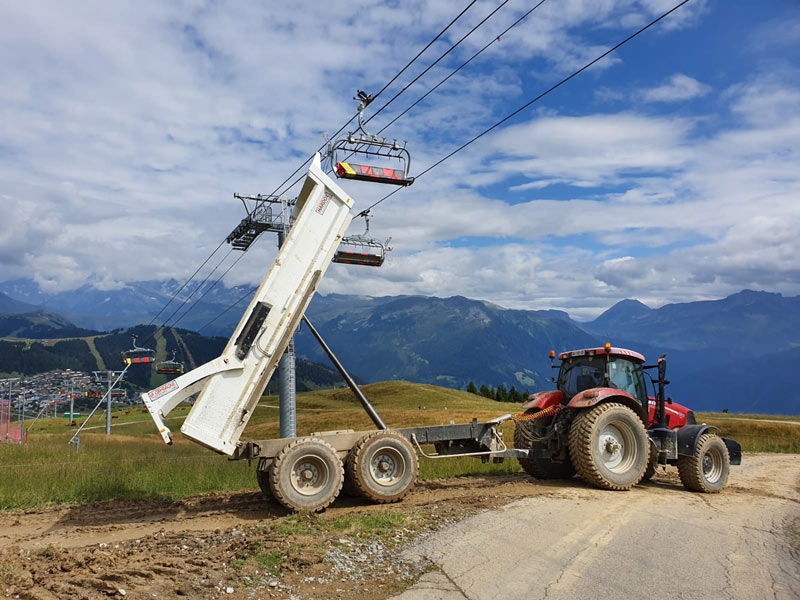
point(707, 470)
point(384, 466)
point(525, 437)
point(262, 476)
point(609, 446)
point(306, 475)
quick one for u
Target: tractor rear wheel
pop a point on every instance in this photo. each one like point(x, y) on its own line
point(526, 435)
point(707, 469)
point(262, 476)
point(306, 475)
point(383, 466)
point(609, 446)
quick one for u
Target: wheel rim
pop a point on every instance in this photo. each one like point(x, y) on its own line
point(712, 465)
point(387, 466)
point(309, 475)
point(616, 445)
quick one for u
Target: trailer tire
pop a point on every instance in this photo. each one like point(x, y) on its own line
point(609, 446)
point(707, 469)
point(384, 466)
point(262, 476)
point(306, 475)
point(525, 434)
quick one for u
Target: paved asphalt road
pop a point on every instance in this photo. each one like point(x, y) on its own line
point(656, 541)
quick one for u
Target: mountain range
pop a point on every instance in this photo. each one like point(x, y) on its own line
point(731, 353)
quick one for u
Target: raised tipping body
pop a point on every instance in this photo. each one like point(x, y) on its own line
point(229, 386)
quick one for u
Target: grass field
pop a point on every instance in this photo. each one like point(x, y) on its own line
point(133, 463)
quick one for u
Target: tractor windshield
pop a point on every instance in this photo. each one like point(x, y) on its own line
point(585, 372)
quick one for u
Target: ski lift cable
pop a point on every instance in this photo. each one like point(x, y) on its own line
point(434, 63)
point(189, 297)
point(434, 88)
point(464, 64)
point(208, 289)
point(534, 100)
point(250, 292)
point(153, 320)
point(383, 89)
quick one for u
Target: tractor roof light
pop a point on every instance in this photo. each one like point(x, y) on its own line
point(607, 346)
point(552, 354)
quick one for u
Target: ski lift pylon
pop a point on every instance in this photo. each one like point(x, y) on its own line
point(138, 355)
point(364, 143)
point(362, 249)
point(170, 367)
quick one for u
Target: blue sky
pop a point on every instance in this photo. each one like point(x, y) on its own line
point(667, 172)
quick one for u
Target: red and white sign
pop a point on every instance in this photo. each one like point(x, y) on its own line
point(162, 390)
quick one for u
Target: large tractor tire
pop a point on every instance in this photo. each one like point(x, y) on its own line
point(707, 470)
point(609, 446)
point(383, 466)
point(306, 475)
point(262, 476)
point(525, 434)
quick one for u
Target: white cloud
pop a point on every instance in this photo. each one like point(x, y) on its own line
point(679, 88)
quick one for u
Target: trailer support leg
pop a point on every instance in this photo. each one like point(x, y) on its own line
point(349, 380)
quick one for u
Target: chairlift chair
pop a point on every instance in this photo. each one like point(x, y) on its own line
point(367, 144)
point(169, 367)
point(137, 354)
point(362, 249)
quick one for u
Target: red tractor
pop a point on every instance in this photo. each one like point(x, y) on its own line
point(601, 423)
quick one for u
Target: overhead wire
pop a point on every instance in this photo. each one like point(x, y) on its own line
point(531, 102)
point(420, 75)
point(374, 96)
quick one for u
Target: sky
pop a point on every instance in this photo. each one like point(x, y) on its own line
point(667, 172)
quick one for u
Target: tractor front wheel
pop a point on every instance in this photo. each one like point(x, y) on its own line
point(707, 469)
point(609, 446)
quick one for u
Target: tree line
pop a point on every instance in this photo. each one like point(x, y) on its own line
point(500, 393)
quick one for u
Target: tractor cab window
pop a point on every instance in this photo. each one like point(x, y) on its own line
point(582, 374)
point(627, 376)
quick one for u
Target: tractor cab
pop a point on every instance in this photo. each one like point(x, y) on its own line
point(605, 367)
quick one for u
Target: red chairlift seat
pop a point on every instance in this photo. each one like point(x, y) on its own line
point(170, 367)
point(371, 173)
point(346, 257)
point(138, 355)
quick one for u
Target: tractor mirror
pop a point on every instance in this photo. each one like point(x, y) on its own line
point(662, 368)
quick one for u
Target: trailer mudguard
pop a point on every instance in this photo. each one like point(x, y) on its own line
point(230, 386)
point(688, 436)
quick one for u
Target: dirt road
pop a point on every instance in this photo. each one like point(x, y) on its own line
point(545, 539)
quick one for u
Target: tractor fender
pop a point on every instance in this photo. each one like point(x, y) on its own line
point(544, 400)
point(688, 436)
point(594, 396)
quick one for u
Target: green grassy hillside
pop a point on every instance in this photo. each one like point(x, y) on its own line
point(133, 463)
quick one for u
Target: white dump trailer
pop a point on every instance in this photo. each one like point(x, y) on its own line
point(304, 473)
